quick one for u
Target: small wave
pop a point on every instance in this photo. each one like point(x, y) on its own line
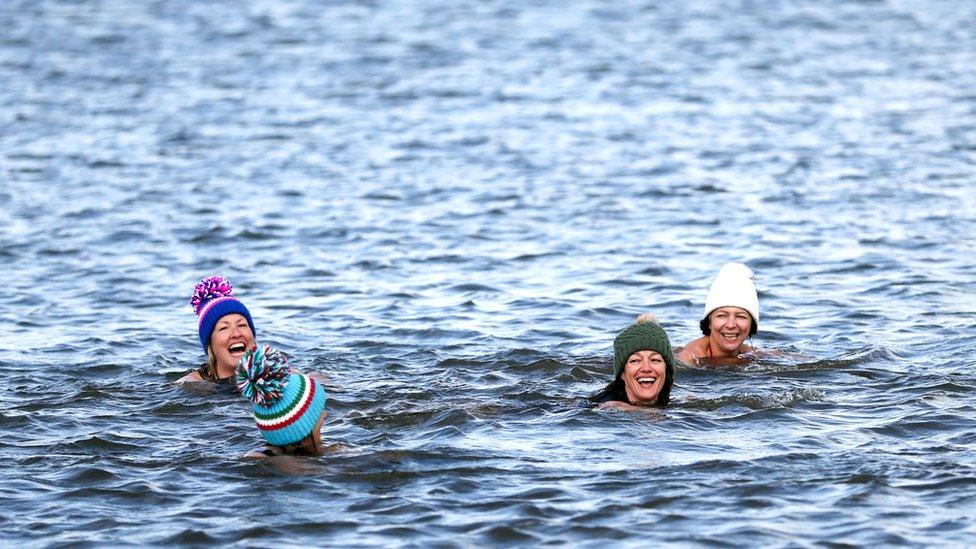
point(199, 537)
point(95, 444)
point(214, 234)
point(788, 399)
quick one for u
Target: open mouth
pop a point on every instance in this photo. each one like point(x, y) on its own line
point(236, 348)
point(646, 381)
point(730, 337)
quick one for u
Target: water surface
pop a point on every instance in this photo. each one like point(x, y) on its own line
point(449, 209)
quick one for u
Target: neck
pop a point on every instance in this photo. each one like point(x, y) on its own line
point(633, 401)
point(225, 372)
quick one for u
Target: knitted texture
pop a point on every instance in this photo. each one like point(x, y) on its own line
point(286, 405)
point(262, 375)
point(643, 335)
point(213, 298)
point(733, 287)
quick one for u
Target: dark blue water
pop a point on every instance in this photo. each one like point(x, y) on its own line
point(449, 209)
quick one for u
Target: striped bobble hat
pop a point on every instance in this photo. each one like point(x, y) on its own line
point(213, 298)
point(286, 405)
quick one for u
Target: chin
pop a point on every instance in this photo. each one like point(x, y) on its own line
point(731, 346)
point(651, 399)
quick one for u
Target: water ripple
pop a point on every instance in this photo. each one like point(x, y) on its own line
point(447, 211)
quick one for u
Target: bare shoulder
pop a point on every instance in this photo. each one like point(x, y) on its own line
point(266, 452)
point(691, 351)
point(190, 377)
point(684, 355)
point(274, 457)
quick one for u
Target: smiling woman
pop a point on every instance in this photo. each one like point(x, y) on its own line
point(288, 406)
point(731, 317)
point(225, 327)
point(643, 368)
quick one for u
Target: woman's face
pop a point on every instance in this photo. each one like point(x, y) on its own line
point(643, 377)
point(730, 328)
point(230, 338)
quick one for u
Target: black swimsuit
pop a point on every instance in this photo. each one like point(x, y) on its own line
point(222, 383)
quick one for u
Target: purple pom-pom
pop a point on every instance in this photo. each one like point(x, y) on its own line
point(208, 289)
point(262, 375)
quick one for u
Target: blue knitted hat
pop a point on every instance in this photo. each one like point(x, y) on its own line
point(213, 298)
point(286, 405)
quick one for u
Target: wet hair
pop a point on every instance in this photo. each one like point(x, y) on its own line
point(706, 329)
point(299, 448)
point(211, 363)
point(615, 390)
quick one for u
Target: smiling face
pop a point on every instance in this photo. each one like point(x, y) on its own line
point(729, 330)
point(643, 377)
point(230, 338)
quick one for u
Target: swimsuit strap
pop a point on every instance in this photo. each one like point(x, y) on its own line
point(204, 372)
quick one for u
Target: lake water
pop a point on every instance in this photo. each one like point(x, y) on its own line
point(449, 209)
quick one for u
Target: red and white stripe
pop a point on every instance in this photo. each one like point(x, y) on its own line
point(288, 417)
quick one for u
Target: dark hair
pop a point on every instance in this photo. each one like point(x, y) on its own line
point(707, 329)
point(615, 390)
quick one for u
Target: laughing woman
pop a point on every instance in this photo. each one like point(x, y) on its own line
point(225, 327)
point(643, 368)
point(731, 317)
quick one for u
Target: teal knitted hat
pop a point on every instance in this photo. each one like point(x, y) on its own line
point(286, 404)
point(645, 334)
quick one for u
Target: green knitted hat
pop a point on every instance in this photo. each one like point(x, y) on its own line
point(645, 334)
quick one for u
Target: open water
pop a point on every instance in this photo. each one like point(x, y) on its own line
point(449, 209)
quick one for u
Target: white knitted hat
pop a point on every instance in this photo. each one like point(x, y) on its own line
point(733, 287)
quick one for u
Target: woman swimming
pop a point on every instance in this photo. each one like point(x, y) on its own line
point(643, 368)
point(225, 328)
point(731, 317)
point(288, 406)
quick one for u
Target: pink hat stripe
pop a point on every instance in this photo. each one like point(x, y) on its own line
point(203, 311)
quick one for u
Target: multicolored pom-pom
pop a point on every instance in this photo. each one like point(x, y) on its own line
point(208, 289)
point(262, 375)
